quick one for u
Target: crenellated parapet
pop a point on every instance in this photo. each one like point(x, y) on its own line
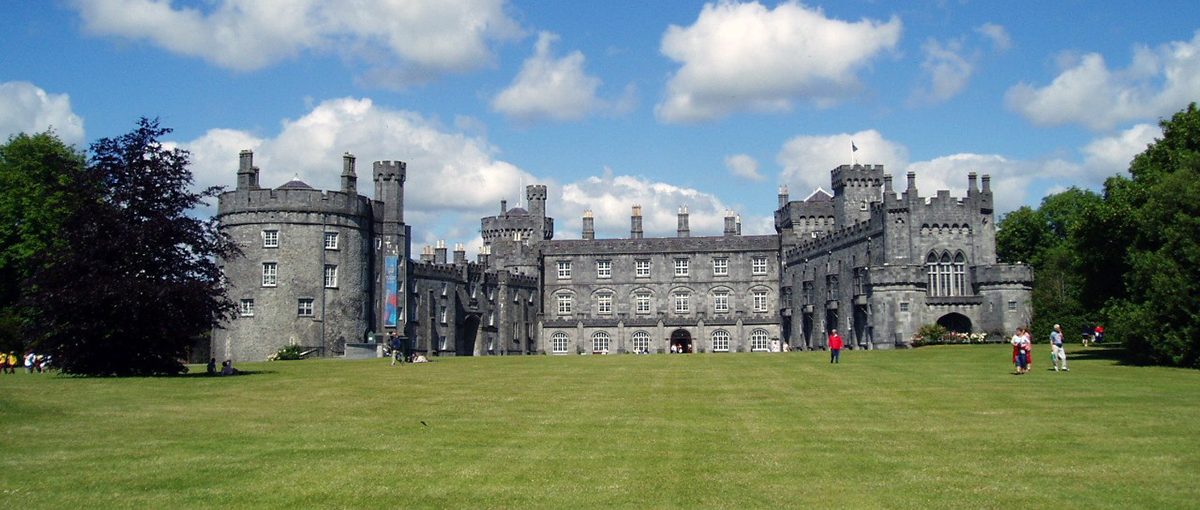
point(1003, 274)
point(835, 240)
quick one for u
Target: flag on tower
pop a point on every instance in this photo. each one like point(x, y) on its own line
point(853, 148)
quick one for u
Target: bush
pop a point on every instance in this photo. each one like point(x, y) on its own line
point(290, 352)
point(935, 334)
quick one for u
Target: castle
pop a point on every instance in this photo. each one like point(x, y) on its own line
point(332, 271)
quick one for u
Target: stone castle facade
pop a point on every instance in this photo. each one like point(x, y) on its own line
point(333, 271)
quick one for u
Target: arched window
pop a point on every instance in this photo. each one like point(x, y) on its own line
point(641, 341)
point(600, 341)
point(720, 341)
point(758, 340)
point(931, 263)
point(944, 272)
point(558, 342)
point(960, 274)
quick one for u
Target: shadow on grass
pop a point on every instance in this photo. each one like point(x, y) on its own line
point(1103, 353)
point(205, 375)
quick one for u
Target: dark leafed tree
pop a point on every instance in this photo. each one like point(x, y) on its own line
point(137, 279)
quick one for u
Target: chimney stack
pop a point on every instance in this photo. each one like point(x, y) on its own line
point(635, 231)
point(683, 230)
point(589, 225)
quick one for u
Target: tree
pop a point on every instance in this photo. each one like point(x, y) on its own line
point(137, 280)
point(41, 178)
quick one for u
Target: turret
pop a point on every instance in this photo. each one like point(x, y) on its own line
point(536, 193)
point(247, 172)
point(389, 189)
point(635, 230)
point(684, 230)
point(349, 178)
point(855, 187)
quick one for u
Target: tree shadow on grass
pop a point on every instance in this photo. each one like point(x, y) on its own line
point(1103, 353)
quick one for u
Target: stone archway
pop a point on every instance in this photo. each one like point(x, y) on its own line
point(682, 339)
point(955, 323)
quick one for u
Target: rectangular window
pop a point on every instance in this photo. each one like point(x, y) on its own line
point(831, 287)
point(721, 302)
point(643, 302)
point(246, 308)
point(806, 293)
point(270, 238)
point(564, 304)
point(331, 239)
point(758, 265)
point(904, 307)
point(641, 268)
point(760, 300)
point(603, 269)
point(564, 269)
point(682, 302)
point(1012, 306)
point(720, 267)
point(681, 267)
point(491, 318)
point(304, 308)
point(270, 274)
point(330, 276)
point(444, 314)
point(604, 304)
point(445, 288)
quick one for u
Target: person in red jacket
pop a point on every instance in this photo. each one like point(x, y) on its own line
point(835, 347)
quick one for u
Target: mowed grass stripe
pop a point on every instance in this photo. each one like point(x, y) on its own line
point(937, 427)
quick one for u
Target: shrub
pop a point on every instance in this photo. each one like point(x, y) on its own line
point(290, 352)
point(935, 334)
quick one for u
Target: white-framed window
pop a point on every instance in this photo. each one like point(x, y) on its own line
point(959, 278)
point(720, 267)
point(246, 308)
point(641, 341)
point(604, 301)
point(758, 265)
point(681, 267)
point(758, 341)
point(642, 302)
point(641, 268)
point(603, 269)
point(330, 276)
point(270, 274)
point(270, 238)
point(564, 304)
point(720, 341)
point(721, 301)
point(331, 240)
point(760, 300)
point(600, 341)
point(682, 302)
point(304, 307)
point(559, 342)
point(564, 269)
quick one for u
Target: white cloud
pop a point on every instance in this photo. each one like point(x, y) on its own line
point(946, 70)
point(1112, 155)
point(408, 40)
point(551, 88)
point(743, 56)
point(807, 160)
point(997, 34)
point(26, 108)
point(1158, 82)
point(743, 166)
point(311, 148)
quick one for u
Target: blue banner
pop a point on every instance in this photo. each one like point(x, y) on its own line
point(391, 309)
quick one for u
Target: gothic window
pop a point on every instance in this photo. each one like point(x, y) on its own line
point(960, 274)
point(944, 272)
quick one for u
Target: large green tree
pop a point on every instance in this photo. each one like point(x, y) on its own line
point(41, 179)
point(137, 280)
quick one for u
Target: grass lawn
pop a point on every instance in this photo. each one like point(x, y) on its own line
point(936, 427)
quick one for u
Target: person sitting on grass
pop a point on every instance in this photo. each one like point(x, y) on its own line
point(227, 368)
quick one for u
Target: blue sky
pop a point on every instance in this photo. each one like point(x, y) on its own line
point(611, 104)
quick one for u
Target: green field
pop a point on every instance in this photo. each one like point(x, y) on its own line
point(936, 427)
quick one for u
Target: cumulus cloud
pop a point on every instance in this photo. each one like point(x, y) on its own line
point(549, 88)
point(807, 160)
point(408, 40)
point(745, 57)
point(743, 166)
point(26, 108)
point(997, 34)
point(946, 69)
point(310, 148)
point(611, 199)
point(1112, 155)
point(1158, 82)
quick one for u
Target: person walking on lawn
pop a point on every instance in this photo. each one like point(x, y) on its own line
point(835, 347)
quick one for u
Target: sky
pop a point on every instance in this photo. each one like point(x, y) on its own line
point(708, 105)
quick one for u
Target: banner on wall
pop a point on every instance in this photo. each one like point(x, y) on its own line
point(391, 311)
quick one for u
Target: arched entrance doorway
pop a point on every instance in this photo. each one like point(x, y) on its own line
point(955, 323)
point(466, 336)
point(681, 340)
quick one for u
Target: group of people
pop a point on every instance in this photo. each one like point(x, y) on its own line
point(33, 361)
point(1022, 343)
point(402, 351)
point(226, 367)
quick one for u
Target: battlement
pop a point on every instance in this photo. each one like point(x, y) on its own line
point(856, 176)
point(833, 240)
point(390, 171)
point(292, 200)
point(1003, 273)
point(535, 192)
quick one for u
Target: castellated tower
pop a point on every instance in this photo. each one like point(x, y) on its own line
point(512, 235)
point(855, 188)
point(390, 248)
